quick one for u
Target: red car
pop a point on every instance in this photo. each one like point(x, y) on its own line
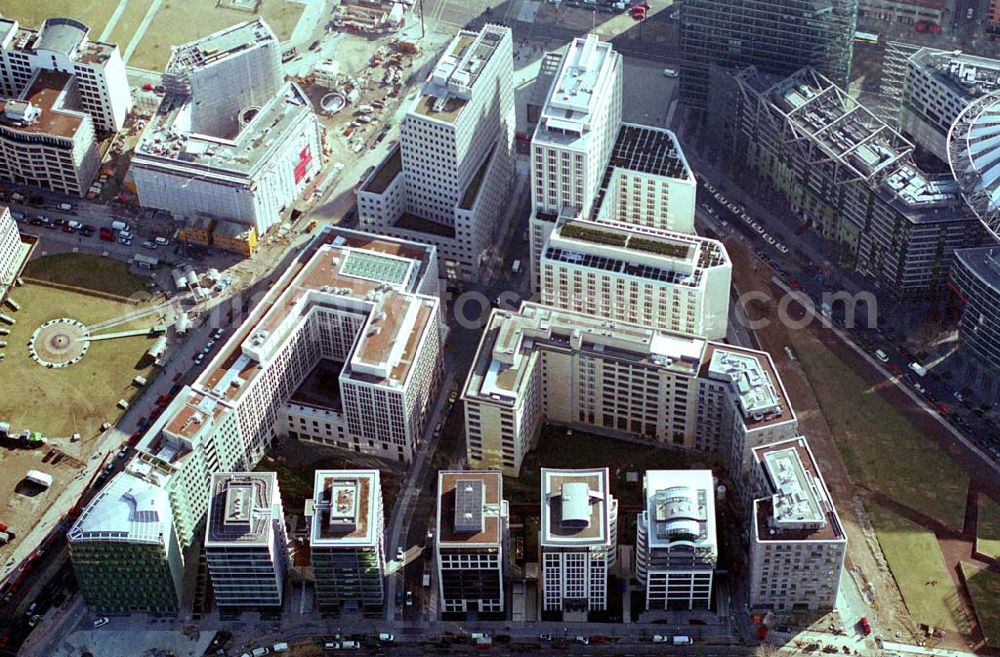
point(148, 86)
point(866, 627)
point(943, 408)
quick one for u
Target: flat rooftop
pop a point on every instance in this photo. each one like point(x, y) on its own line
point(449, 87)
point(633, 250)
point(343, 507)
point(984, 263)
point(40, 109)
point(680, 508)
point(396, 320)
point(968, 76)
point(867, 148)
point(649, 150)
point(418, 224)
point(581, 82)
point(169, 142)
point(219, 45)
point(511, 339)
point(386, 172)
point(643, 149)
point(800, 507)
point(127, 509)
point(64, 35)
point(470, 508)
point(242, 508)
point(577, 508)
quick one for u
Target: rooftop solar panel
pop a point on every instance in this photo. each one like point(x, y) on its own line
point(469, 501)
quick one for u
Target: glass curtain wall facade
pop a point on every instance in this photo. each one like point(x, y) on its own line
point(776, 36)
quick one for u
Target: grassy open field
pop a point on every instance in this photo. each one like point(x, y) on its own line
point(557, 450)
point(918, 566)
point(870, 432)
point(984, 587)
point(59, 402)
point(102, 275)
point(31, 13)
point(988, 540)
point(179, 21)
point(129, 22)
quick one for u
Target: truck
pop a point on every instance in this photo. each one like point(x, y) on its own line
point(38, 477)
point(5, 538)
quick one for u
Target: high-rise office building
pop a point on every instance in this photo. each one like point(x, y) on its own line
point(246, 545)
point(13, 252)
point(577, 128)
point(225, 74)
point(344, 350)
point(797, 542)
point(543, 365)
point(578, 540)
point(45, 139)
point(232, 141)
point(938, 86)
point(975, 279)
point(62, 46)
point(627, 272)
point(676, 549)
point(347, 541)
point(124, 551)
point(848, 173)
point(587, 164)
point(448, 182)
point(470, 549)
point(775, 36)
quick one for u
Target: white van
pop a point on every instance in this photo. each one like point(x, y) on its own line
point(670, 72)
point(918, 368)
point(259, 652)
point(65, 207)
point(881, 355)
point(119, 225)
point(516, 267)
point(682, 641)
point(280, 647)
point(385, 636)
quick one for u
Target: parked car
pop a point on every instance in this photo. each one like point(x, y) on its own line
point(881, 355)
point(162, 241)
point(149, 245)
point(101, 622)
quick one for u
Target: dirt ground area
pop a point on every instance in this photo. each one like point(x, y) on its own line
point(833, 440)
point(178, 22)
point(23, 503)
point(383, 75)
point(864, 559)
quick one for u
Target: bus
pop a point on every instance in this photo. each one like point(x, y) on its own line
point(865, 37)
